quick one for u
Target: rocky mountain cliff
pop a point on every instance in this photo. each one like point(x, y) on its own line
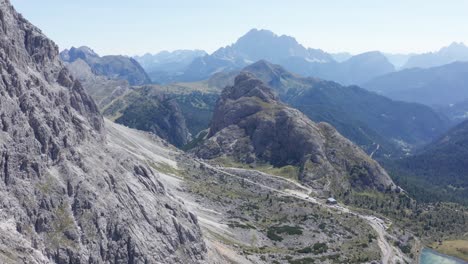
point(66, 195)
point(112, 66)
point(251, 126)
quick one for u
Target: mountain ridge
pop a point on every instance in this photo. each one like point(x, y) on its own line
point(439, 86)
point(111, 66)
point(285, 50)
point(68, 196)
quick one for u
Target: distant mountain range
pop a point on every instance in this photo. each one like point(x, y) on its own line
point(452, 53)
point(165, 66)
point(442, 85)
point(286, 51)
point(113, 66)
point(253, 46)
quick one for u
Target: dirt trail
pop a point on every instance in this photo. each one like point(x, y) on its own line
point(373, 152)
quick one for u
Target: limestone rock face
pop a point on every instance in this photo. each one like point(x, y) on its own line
point(250, 125)
point(66, 195)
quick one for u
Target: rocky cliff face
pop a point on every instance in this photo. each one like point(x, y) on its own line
point(252, 126)
point(66, 196)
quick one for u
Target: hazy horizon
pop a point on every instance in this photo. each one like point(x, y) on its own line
point(146, 26)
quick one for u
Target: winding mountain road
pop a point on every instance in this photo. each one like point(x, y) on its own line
point(390, 254)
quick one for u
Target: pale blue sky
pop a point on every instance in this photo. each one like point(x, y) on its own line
point(137, 26)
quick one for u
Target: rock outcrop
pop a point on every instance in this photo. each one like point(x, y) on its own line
point(66, 196)
point(251, 126)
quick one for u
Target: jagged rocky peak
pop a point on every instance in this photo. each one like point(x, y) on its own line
point(66, 196)
point(268, 72)
point(247, 85)
point(251, 126)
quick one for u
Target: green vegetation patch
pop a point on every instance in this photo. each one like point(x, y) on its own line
point(320, 248)
point(234, 224)
point(274, 232)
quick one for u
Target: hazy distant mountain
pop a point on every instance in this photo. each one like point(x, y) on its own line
point(398, 59)
point(113, 66)
point(443, 85)
point(361, 68)
point(171, 61)
point(165, 66)
point(264, 44)
point(341, 56)
point(253, 46)
point(366, 118)
point(454, 52)
point(440, 171)
point(355, 70)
